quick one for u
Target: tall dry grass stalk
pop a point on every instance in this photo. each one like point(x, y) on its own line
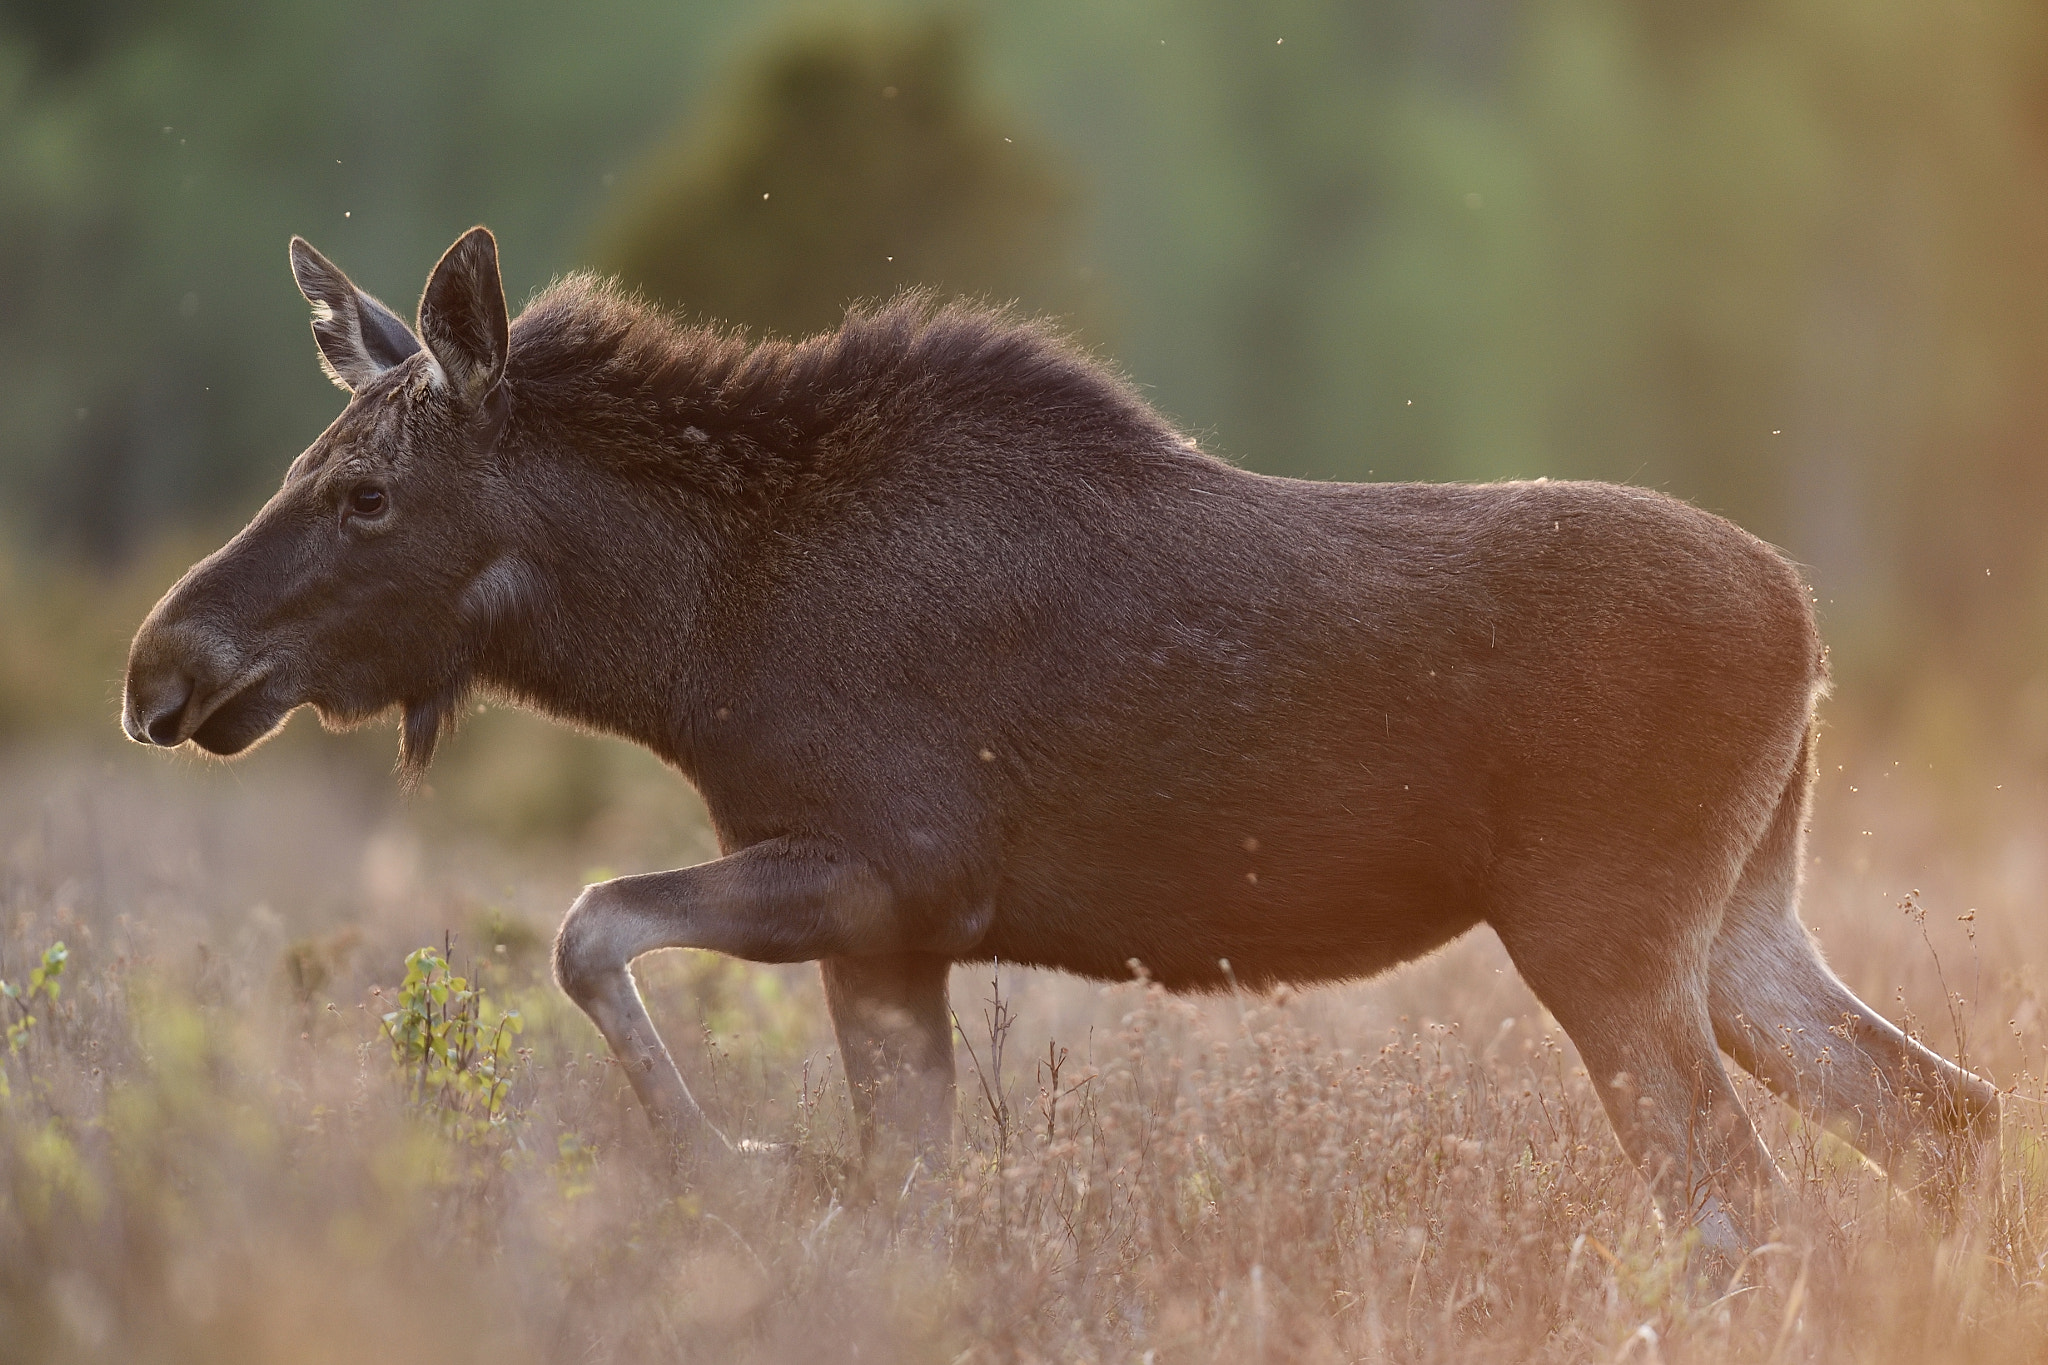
point(212, 1150)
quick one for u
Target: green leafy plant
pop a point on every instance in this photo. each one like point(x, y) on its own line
point(457, 1051)
point(45, 981)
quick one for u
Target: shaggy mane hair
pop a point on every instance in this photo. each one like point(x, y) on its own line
point(657, 398)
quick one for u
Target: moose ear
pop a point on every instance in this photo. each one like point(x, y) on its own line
point(462, 316)
point(359, 337)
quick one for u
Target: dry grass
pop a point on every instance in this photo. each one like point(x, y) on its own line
point(210, 1152)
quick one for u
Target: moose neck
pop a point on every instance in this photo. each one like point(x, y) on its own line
point(668, 469)
point(613, 581)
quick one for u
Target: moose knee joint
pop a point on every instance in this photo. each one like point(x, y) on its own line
point(587, 951)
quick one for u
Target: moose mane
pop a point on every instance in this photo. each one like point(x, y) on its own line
point(599, 374)
point(656, 398)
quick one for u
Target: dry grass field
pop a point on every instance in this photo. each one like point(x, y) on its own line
point(232, 1134)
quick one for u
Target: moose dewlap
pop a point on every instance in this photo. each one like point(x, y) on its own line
point(972, 655)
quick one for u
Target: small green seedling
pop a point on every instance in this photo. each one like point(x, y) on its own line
point(456, 1050)
point(45, 981)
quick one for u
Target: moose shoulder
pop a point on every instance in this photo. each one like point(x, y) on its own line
point(972, 655)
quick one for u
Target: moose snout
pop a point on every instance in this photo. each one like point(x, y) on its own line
point(175, 673)
point(154, 711)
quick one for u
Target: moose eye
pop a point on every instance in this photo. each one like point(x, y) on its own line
point(367, 500)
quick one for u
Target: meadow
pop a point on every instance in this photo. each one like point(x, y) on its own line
point(298, 1088)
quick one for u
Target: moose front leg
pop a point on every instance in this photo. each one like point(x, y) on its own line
point(896, 1042)
point(782, 900)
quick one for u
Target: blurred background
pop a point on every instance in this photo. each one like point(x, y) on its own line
point(1782, 259)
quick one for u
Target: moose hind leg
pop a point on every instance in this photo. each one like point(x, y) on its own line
point(896, 1043)
point(1636, 1008)
point(1789, 1020)
point(1657, 1072)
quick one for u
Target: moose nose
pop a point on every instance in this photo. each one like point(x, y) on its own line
point(159, 719)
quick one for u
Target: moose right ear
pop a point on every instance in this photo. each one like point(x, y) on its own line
point(359, 337)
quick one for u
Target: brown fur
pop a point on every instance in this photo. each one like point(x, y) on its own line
point(972, 655)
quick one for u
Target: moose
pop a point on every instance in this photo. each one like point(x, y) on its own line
point(972, 655)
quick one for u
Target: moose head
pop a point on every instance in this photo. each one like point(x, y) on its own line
point(374, 575)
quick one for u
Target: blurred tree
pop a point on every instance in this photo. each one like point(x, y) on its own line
point(64, 34)
point(853, 160)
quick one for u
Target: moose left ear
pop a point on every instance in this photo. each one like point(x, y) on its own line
point(462, 316)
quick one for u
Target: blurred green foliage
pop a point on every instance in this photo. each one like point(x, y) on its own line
point(853, 161)
point(155, 365)
point(1779, 258)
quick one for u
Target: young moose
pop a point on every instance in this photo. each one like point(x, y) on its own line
point(972, 655)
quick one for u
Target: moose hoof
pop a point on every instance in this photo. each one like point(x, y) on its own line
point(817, 1173)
